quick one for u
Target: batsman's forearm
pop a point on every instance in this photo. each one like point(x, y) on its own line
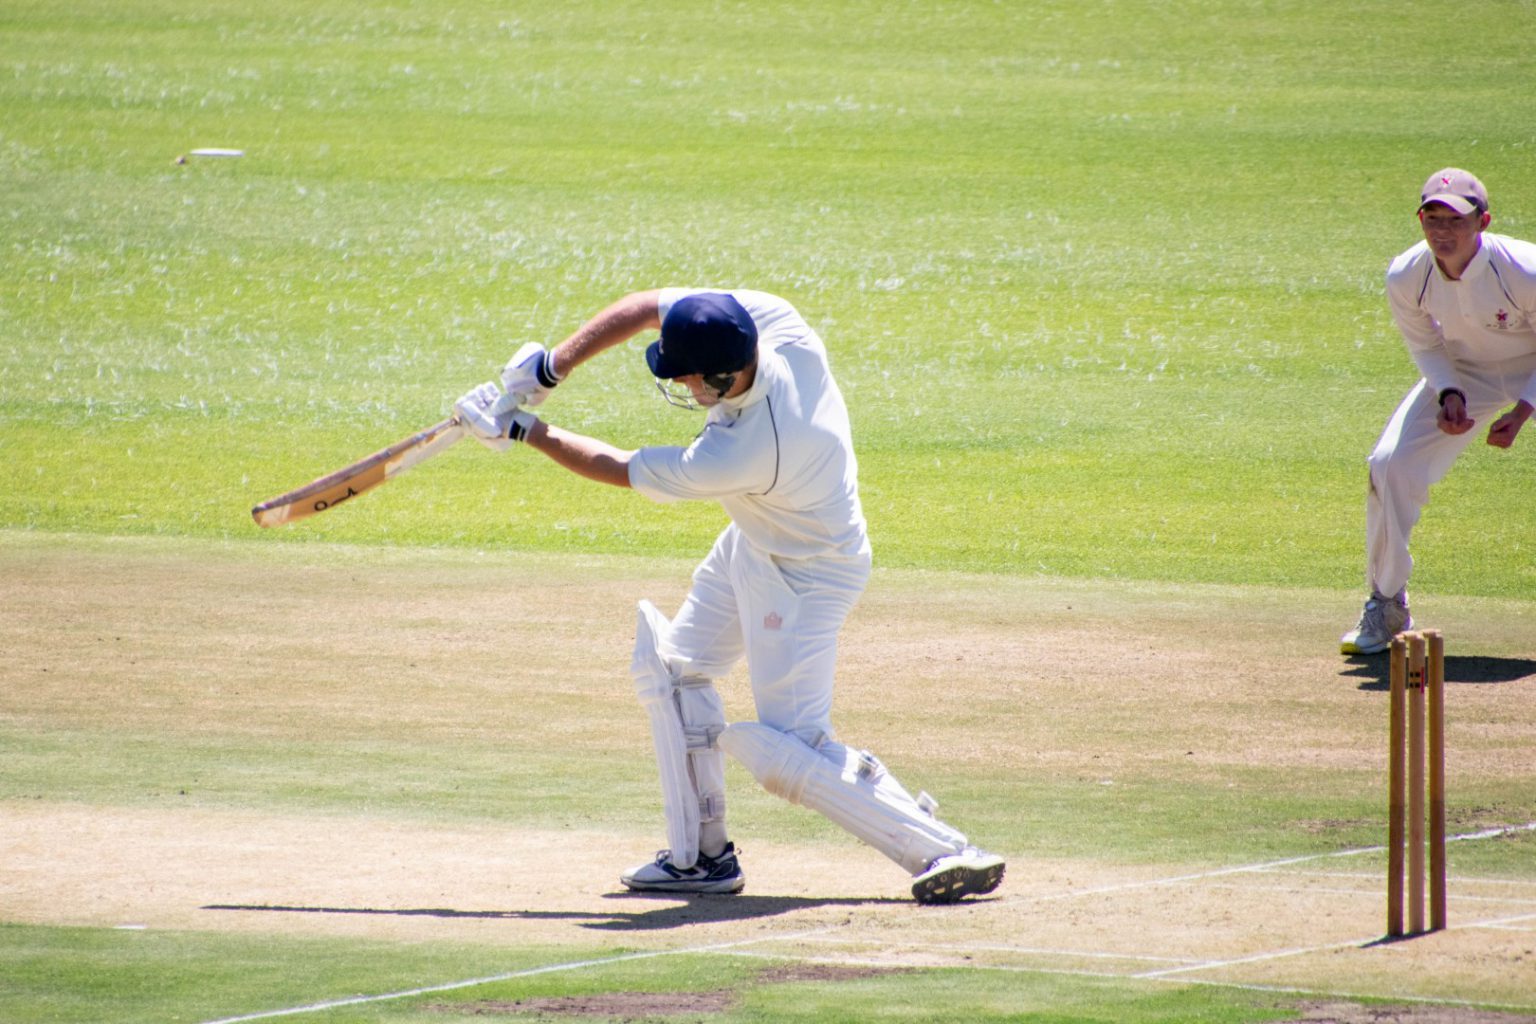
point(613, 326)
point(584, 456)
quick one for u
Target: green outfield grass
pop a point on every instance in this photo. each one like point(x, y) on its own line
point(1101, 281)
point(1109, 271)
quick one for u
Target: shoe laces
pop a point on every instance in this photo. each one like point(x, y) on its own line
point(724, 856)
point(1374, 617)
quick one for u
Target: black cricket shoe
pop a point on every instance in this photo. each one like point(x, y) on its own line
point(720, 874)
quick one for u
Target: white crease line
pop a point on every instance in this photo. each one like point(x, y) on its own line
point(1501, 922)
point(1304, 890)
point(1242, 869)
point(859, 961)
point(1374, 876)
point(1492, 833)
point(1239, 986)
point(1186, 966)
point(1152, 883)
point(1216, 965)
point(1102, 890)
point(833, 940)
point(575, 965)
point(1297, 890)
point(1065, 953)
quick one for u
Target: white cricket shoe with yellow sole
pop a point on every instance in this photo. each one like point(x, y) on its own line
point(1382, 619)
point(971, 872)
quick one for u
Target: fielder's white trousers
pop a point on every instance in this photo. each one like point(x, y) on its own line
point(783, 616)
point(1414, 453)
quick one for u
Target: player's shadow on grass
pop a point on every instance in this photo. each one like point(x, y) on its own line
point(1469, 669)
point(665, 912)
point(660, 913)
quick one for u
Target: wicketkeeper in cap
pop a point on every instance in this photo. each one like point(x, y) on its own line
point(1465, 302)
point(775, 589)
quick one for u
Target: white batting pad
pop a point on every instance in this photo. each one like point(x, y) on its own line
point(687, 717)
point(703, 714)
point(849, 787)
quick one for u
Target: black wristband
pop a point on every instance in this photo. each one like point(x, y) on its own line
point(1453, 391)
point(546, 371)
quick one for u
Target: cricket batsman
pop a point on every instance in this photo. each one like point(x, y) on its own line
point(1465, 302)
point(776, 453)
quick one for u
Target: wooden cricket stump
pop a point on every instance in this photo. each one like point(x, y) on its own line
point(1416, 756)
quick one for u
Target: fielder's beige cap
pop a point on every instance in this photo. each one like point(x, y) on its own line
point(1456, 188)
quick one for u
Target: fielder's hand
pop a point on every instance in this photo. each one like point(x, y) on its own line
point(1453, 418)
point(529, 374)
point(1502, 433)
point(494, 418)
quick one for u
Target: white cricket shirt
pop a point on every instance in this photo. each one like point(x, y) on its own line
point(1489, 316)
point(779, 457)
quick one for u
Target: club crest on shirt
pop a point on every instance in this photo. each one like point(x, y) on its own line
point(1501, 320)
point(773, 621)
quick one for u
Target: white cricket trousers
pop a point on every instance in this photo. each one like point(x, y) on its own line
point(783, 615)
point(1414, 453)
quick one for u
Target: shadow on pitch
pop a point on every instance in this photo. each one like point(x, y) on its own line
point(659, 912)
point(1372, 669)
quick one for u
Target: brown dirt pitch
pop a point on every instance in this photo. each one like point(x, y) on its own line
point(113, 651)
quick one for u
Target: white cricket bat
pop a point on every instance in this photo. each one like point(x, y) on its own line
point(344, 484)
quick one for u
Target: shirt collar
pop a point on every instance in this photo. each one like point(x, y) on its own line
point(1479, 260)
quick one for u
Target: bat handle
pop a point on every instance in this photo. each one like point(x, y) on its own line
point(508, 402)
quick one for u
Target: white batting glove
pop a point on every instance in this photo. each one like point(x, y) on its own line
point(530, 374)
point(494, 418)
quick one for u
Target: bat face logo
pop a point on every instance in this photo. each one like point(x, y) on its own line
point(363, 475)
point(322, 504)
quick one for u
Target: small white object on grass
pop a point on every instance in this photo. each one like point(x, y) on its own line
point(218, 152)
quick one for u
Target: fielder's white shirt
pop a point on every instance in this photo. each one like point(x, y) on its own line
point(1487, 317)
point(779, 457)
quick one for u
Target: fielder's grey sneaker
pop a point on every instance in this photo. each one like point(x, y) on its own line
point(1382, 619)
point(969, 872)
point(709, 874)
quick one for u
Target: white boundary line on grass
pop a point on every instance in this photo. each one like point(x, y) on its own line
point(574, 965)
point(733, 948)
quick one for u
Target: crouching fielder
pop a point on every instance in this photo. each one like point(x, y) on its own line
point(775, 589)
